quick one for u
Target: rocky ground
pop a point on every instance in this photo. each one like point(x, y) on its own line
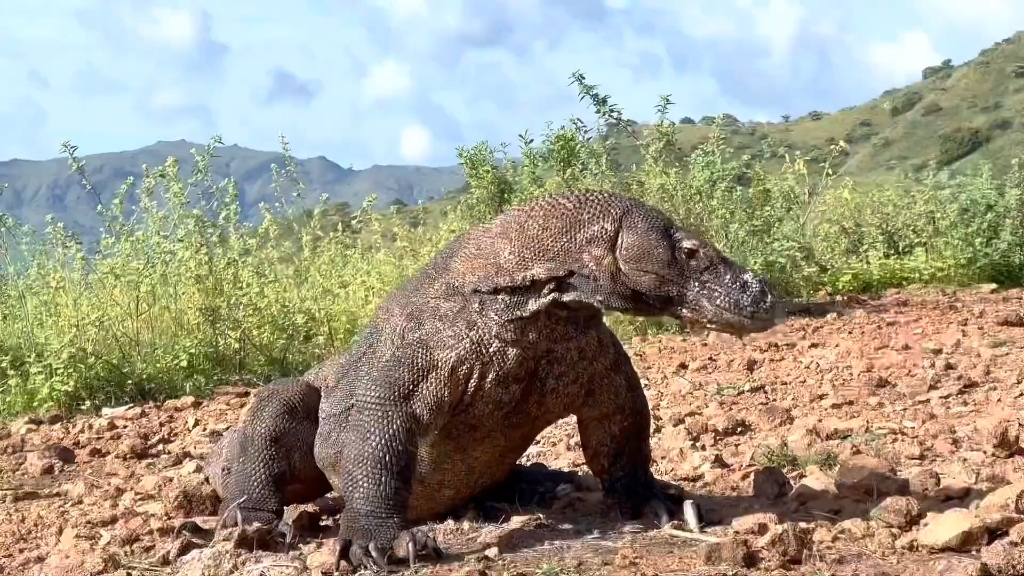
point(881, 439)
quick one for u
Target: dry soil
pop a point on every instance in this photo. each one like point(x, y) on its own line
point(882, 438)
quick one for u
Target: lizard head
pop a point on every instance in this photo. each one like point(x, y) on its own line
point(671, 272)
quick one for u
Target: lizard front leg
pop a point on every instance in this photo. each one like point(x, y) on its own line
point(371, 461)
point(267, 462)
point(614, 423)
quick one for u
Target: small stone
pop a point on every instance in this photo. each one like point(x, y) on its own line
point(74, 491)
point(1001, 436)
point(734, 552)
point(865, 476)
point(1010, 320)
point(900, 512)
point(1005, 500)
point(1003, 558)
point(815, 485)
point(148, 484)
point(957, 530)
point(755, 524)
point(835, 428)
point(191, 497)
point(1016, 534)
point(784, 544)
point(958, 566)
point(771, 483)
point(924, 481)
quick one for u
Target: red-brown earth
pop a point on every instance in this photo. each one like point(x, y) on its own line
point(883, 438)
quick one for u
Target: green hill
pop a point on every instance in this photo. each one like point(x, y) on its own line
point(954, 117)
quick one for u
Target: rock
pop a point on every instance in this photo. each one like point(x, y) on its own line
point(774, 416)
point(1003, 558)
point(834, 428)
point(998, 523)
point(956, 530)
point(74, 491)
point(953, 489)
point(1005, 500)
point(1010, 320)
point(76, 559)
point(734, 552)
point(771, 483)
point(863, 476)
point(1001, 435)
point(900, 512)
point(958, 566)
point(48, 459)
point(886, 539)
point(853, 528)
point(1016, 534)
point(784, 544)
point(815, 485)
point(25, 425)
point(189, 497)
point(148, 483)
point(924, 481)
point(755, 524)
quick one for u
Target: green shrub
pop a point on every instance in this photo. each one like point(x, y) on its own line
point(943, 70)
point(904, 102)
point(181, 296)
point(931, 107)
point(959, 142)
point(1000, 124)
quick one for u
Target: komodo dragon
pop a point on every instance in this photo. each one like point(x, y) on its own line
point(461, 368)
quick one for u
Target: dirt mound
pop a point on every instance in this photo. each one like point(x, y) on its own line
point(881, 439)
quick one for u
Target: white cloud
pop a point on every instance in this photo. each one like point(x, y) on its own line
point(698, 23)
point(386, 80)
point(169, 98)
point(778, 22)
point(171, 27)
point(466, 71)
point(405, 8)
point(900, 61)
point(994, 17)
point(415, 143)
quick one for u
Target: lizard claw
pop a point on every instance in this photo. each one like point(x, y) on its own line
point(664, 505)
point(660, 512)
point(260, 529)
point(418, 543)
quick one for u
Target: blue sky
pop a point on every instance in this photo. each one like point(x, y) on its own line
point(405, 81)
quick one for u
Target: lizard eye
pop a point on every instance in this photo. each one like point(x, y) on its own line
point(690, 250)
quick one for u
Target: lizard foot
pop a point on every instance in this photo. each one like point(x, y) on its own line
point(663, 503)
point(417, 542)
point(257, 528)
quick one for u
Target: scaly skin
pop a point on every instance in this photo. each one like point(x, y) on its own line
point(460, 369)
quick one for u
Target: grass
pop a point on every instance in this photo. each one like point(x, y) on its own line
point(783, 457)
point(183, 295)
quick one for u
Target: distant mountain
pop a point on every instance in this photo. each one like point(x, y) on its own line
point(40, 187)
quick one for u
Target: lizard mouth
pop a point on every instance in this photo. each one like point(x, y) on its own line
point(729, 322)
point(746, 305)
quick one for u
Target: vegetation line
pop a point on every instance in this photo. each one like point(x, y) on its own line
point(182, 295)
